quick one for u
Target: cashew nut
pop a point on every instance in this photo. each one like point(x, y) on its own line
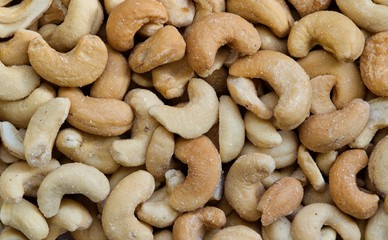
point(207, 35)
point(377, 225)
point(99, 116)
point(80, 179)
point(180, 13)
point(312, 196)
point(196, 117)
point(236, 232)
point(55, 14)
point(120, 222)
point(325, 160)
point(9, 233)
point(12, 139)
point(269, 41)
point(322, 86)
point(207, 7)
point(377, 167)
point(313, 29)
point(7, 157)
point(79, 67)
point(306, 7)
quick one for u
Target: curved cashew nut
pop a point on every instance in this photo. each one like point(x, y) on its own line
point(17, 82)
point(309, 220)
point(25, 217)
point(20, 112)
point(128, 17)
point(77, 68)
point(180, 13)
point(89, 149)
point(367, 14)
point(274, 14)
point(207, 35)
point(236, 232)
point(279, 200)
point(377, 225)
point(348, 79)
point(207, 7)
point(121, 223)
point(344, 189)
point(80, 178)
point(377, 167)
point(132, 152)
point(55, 14)
point(280, 229)
point(286, 77)
point(192, 225)
point(204, 164)
point(95, 231)
point(333, 130)
point(18, 178)
point(99, 116)
point(196, 117)
point(312, 30)
point(12, 140)
point(322, 86)
point(243, 188)
point(306, 7)
point(11, 233)
point(269, 41)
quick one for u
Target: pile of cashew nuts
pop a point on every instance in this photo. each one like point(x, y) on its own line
point(194, 119)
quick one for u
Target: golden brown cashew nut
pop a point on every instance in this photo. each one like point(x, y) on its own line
point(86, 148)
point(333, 130)
point(243, 188)
point(377, 225)
point(207, 35)
point(367, 14)
point(9, 233)
point(192, 225)
point(128, 17)
point(306, 7)
point(132, 152)
point(12, 139)
point(42, 131)
point(120, 222)
point(25, 217)
point(286, 77)
point(79, 67)
point(166, 45)
point(55, 14)
point(377, 167)
point(236, 232)
point(204, 164)
point(207, 7)
point(274, 14)
point(308, 222)
point(17, 82)
point(196, 117)
point(20, 177)
point(348, 79)
point(80, 179)
point(99, 116)
point(322, 86)
point(313, 29)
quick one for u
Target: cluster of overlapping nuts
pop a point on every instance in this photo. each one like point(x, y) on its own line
point(194, 119)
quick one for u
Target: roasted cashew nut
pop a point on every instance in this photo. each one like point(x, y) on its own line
point(322, 86)
point(305, 7)
point(280, 229)
point(377, 168)
point(236, 232)
point(11, 233)
point(12, 140)
point(310, 169)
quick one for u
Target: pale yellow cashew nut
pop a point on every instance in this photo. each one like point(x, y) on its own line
point(9, 233)
point(12, 140)
point(236, 232)
point(377, 225)
point(377, 168)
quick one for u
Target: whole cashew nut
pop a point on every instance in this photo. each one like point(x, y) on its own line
point(12, 140)
point(80, 179)
point(313, 29)
point(286, 77)
point(322, 86)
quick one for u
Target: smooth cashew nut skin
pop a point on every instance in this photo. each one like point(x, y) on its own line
point(343, 187)
point(77, 68)
point(377, 167)
point(9, 233)
point(377, 225)
point(286, 77)
point(323, 27)
point(128, 17)
point(236, 232)
point(207, 35)
point(71, 178)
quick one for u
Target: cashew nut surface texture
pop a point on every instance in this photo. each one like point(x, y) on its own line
point(9, 233)
point(79, 67)
point(309, 220)
point(207, 35)
point(196, 117)
point(377, 167)
point(71, 178)
point(305, 7)
point(236, 232)
point(377, 225)
point(334, 31)
point(120, 222)
point(204, 172)
point(12, 140)
point(286, 77)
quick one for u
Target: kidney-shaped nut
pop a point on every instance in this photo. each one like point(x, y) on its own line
point(99, 116)
point(196, 117)
point(71, 178)
point(180, 13)
point(274, 14)
point(87, 148)
point(17, 82)
point(269, 41)
point(280, 229)
point(333, 130)
point(95, 231)
point(343, 186)
point(55, 14)
point(204, 172)
point(306, 7)
point(309, 220)
point(313, 29)
point(9, 233)
point(193, 225)
point(20, 177)
point(377, 225)
point(207, 35)
point(377, 170)
point(207, 7)
point(164, 46)
point(286, 77)
point(243, 188)
point(236, 232)
point(79, 67)
point(128, 17)
point(12, 139)
point(279, 200)
point(322, 86)
point(42, 131)
point(121, 222)
point(367, 14)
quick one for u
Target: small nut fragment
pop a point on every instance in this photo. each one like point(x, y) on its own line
point(236, 232)
point(310, 169)
point(377, 170)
